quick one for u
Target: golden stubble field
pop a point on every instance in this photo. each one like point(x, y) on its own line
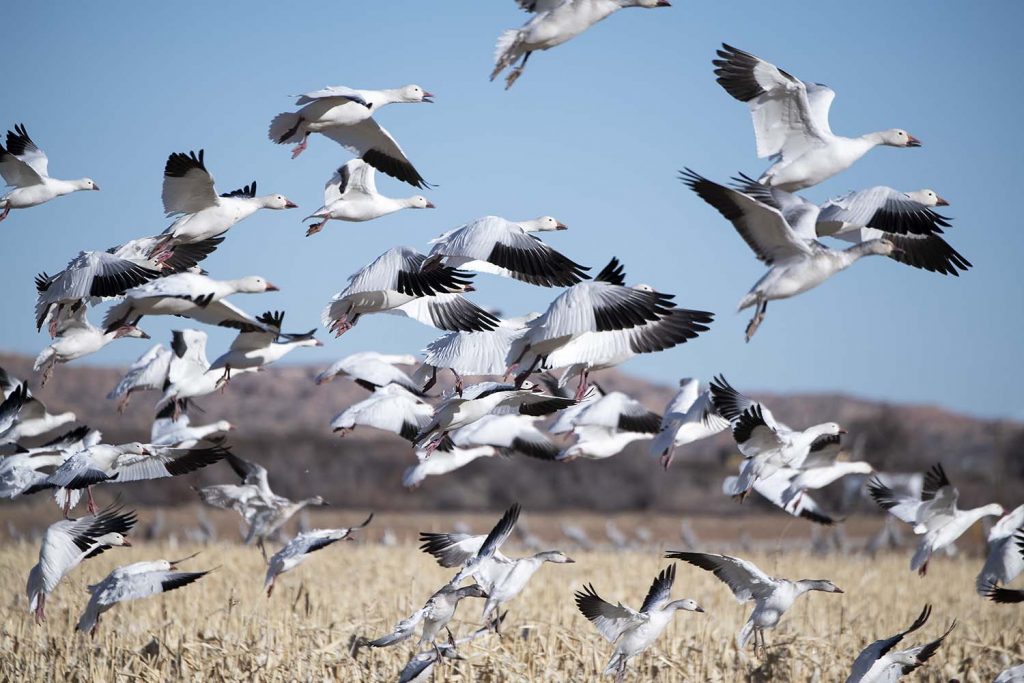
point(224, 628)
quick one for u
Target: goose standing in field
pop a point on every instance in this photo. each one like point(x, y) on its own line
point(880, 662)
point(553, 23)
point(1005, 558)
point(24, 166)
point(934, 516)
point(147, 373)
point(629, 630)
point(780, 229)
point(371, 370)
point(765, 443)
point(791, 121)
point(77, 337)
point(298, 549)
point(188, 193)
point(345, 116)
point(390, 408)
point(23, 415)
point(509, 249)
point(67, 543)
point(131, 582)
point(188, 295)
point(351, 195)
point(771, 596)
point(256, 347)
point(402, 281)
point(690, 416)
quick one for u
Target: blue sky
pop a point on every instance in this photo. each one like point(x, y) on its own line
point(593, 134)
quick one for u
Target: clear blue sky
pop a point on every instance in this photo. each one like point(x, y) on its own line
point(593, 134)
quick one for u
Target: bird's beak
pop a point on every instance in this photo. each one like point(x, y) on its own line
point(561, 226)
point(272, 288)
point(127, 543)
point(144, 334)
point(95, 186)
point(699, 609)
point(318, 342)
point(663, 3)
point(839, 590)
point(842, 431)
point(469, 288)
point(289, 204)
point(939, 201)
point(912, 141)
point(428, 97)
point(430, 205)
point(232, 427)
point(569, 560)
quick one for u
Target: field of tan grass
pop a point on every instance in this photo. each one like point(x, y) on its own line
point(224, 628)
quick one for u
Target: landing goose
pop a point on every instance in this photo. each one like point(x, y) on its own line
point(23, 471)
point(781, 236)
point(553, 23)
point(881, 662)
point(67, 543)
point(256, 347)
point(131, 582)
point(690, 416)
point(510, 249)
point(434, 615)
point(179, 432)
point(351, 195)
point(147, 373)
point(445, 459)
point(771, 596)
point(24, 166)
point(371, 370)
point(991, 589)
point(402, 281)
point(188, 371)
point(77, 337)
point(1005, 558)
point(421, 664)
point(298, 549)
point(765, 443)
point(188, 193)
point(23, 415)
point(934, 516)
point(633, 631)
point(345, 116)
point(390, 408)
point(775, 487)
point(791, 121)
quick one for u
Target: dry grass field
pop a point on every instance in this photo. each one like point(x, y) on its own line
point(224, 628)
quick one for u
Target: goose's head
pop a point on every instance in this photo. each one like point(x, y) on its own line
point(130, 331)
point(542, 224)
point(687, 604)
point(474, 591)
point(830, 428)
point(531, 387)
point(277, 202)
point(114, 539)
point(414, 93)
point(897, 137)
point(643, 288)
point(881, 247)
point(420, 202)
point(927, 197)
point(556, 556)
point(86, 184)
point(821, 585)
point(134, 448)
point(254, 284)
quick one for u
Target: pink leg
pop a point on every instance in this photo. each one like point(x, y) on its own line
point(7, 210)
point(666, 458)
point(433, 444)
point(40, 609)
point(316, 227)
point(92, 503)
point(458, 383)
point(581, 390)
point(301, 147)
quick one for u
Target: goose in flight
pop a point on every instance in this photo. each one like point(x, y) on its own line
point(934, 516)
point(256, 347)
point(690, 416)
point(421, 664)
point(780, 228)
point(552, 23)
point(775, 489)
point(77, 337)
point(297, 550)
point(23, 415)
point(402, 281)
point(345, 115)
point(633, 631)
point(434, 615)
point(613, 410)
point(447, 458)
point(24, 167)
point(178, 432)
point(991, 589)
point(390, 408)
point(509, 249)
point(147, 373)
point(132, 582)
point(21, 471)
point(69, 542)
point(765, 443)
point(597, 443)
point(188, 373)
point(201, 213)
point(371, 370)
point(351, 195)
point(791, 122)
point(881, 662)
point(771, 596)
point(1005, 558)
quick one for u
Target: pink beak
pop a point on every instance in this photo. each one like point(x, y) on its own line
point(912, 141)
point(939, 201)
point(427, 97)
point(289, 204)
point(272, 288)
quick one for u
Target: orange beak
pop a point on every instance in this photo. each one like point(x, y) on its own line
point(939, 201)
point(912, 141)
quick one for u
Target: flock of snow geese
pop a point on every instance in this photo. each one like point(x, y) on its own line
point(594, 323)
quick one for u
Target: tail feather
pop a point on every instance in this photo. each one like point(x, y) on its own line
point(744, 635)
point(284, 129)
point(506, 51)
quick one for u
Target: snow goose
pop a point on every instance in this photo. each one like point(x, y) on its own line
point(598, 443)
point(24, 166)
point(510, 249)
point(402, 281)
point(791, 121)
point(23, 415)
point(351, 195)
point(189, 295)
point(67, 543)
point(131, 582)
point(371, 370)
point(1014, 674)
point(1005, 558)
point(690, 416)
point(390, 408)
point(188, 372)
point(256, 347)
point(780, 229)
point(77, 337)
point(178, 432)
point(934, 516)
point(421, 664)
point(880, 662)
point(345, 116)
point(501, 577)
point(483, 399)
point(147, 373)
point(553, 23)
point(774, 488)
point(603, 304)
point(188, 193)
point(298, 549)
point(765, 443)
point(434, 615)
point(633, 631)
point(614, 410)
point(20, 472)
point(991, 589)
point(447, 458)
point(771, 596)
